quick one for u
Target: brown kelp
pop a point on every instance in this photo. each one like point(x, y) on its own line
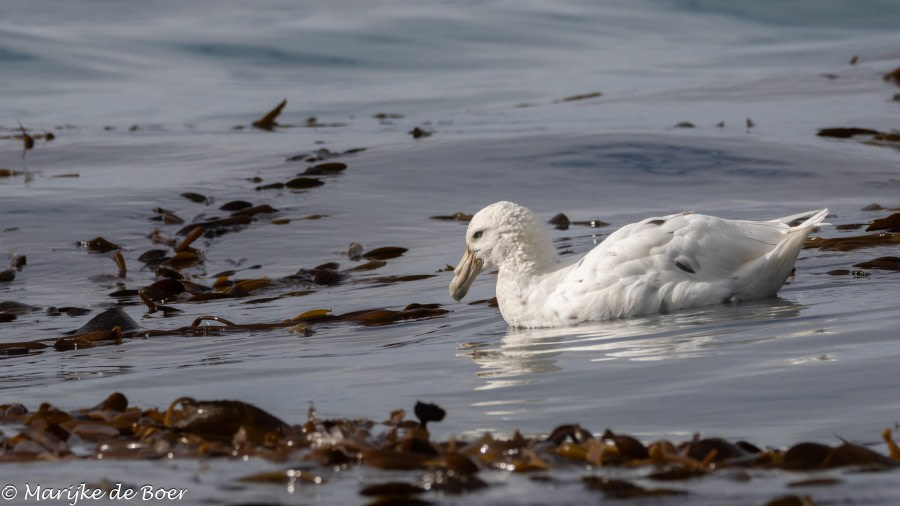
point(313, 450)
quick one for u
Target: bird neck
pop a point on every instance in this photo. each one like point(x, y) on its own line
point(531, 258)
point(520, 295)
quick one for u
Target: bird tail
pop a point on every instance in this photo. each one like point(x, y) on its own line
point(765, 275)
point(818, 218)
point(813, 218)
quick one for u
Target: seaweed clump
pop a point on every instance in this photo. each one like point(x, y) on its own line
point(315, 449)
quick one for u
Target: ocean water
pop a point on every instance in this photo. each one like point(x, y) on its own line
point(148, 100)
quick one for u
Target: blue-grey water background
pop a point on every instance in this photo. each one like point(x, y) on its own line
point(144, 97)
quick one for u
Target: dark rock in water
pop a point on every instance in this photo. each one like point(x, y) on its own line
point(115, 402)
point(99, 245)
point(845, 133)
point(16, 308)
point(384, 253)
point(107, 320)
point(303, 182)
point(253, 211)
point(560, 221)
point(887, 263)
point(893, 76)
point(418, 133)
point(221, 420)
point(324, 275)
point(354, 251)
point(804, 456)
point(196, 197)
point(71, 311)
point(153, 256)
point(235, 205)
point(426, 412)
point(891, 224)
point(273, 186)
point(328, 168)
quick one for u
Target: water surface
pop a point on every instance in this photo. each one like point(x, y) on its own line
point(487, 79)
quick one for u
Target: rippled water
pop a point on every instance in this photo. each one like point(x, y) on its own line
point(486, 78)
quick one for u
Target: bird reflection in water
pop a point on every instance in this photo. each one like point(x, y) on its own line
point(694, 333)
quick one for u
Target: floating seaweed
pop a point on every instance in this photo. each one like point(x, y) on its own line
point(313, 122)
point(166, 216)
point(887, 263)
point(847, 272)
point(847, 243)
point(894, 75)
point(852, 242)
point(591, 223)
point(561, 222)
point(890, 224)
point(845, 133)
point(458, 216)
point(114, 326)
point(418, 133)
point(98, 245)
point(322, 154)
point(575, 98)
point(217, 226)
point(492, 302)
point(255, 210)
point(27, 140)
point(386, 280)
point(384, 253)
point(326, 274)
point(377, 316)
point(268, 122)
point(196, 198)
point(328, 168)
point(623, 489)
point(304, 182)
point(235, 205)
point(879, 207)
point(67, 310)
point(368, 266)
point(875, 137)
point(233, 429)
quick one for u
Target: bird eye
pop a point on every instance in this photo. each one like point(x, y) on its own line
point(477, 235)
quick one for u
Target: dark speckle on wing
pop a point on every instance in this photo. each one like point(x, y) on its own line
point(685, 268)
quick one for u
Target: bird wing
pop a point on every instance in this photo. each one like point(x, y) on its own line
point(669, 262)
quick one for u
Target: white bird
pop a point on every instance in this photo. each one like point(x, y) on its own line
point(656, 265)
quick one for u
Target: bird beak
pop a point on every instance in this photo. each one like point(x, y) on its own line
point(464, 274)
